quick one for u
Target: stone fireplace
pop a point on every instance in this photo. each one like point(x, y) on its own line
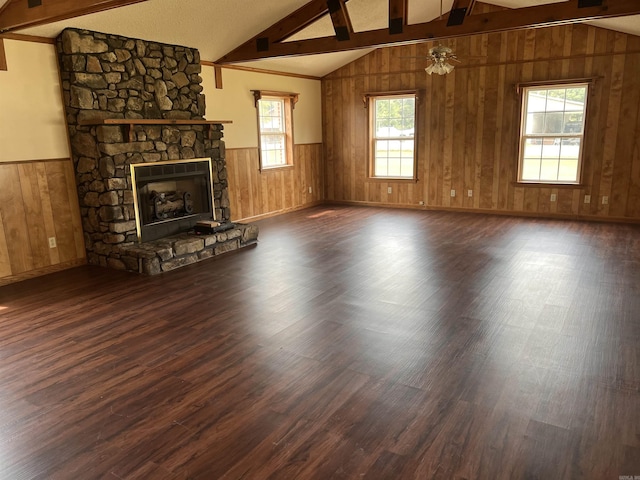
point(139, 141)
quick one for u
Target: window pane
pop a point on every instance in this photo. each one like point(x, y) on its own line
point(555, 100)
point(533, 148)
point(536, 101)
point(382, 148)
point(531, 169)
point(384, 129)
point(382, 108)
point(573, 122)
point(550, 148)
point(568, 170)
point(549, 170)
point(535, 123)
point(393, 166)
point(381, 167)
point(553, 122)
point(570, 147)
point(577, 94)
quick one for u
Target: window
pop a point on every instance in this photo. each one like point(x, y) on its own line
point(275, 128)
point(552, 130)
point(392, 136)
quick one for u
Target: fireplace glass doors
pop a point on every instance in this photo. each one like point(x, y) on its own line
point(170, 197)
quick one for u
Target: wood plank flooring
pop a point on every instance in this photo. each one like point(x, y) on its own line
point(350, 343)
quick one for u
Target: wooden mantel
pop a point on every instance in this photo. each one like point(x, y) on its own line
point(129, 123)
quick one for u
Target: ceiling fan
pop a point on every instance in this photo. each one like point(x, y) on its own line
point(439, 55)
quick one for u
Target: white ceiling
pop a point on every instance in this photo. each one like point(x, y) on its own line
point(215, 27)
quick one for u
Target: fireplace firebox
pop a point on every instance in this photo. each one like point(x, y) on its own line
point(171, 197)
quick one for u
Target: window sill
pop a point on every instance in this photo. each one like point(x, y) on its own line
point(549, 185)
point(392, 179)
point(275, 168)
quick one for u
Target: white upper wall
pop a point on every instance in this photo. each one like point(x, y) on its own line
point(235, 102)
point(32, 122)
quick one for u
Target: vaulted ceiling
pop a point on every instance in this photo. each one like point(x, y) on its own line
point(230, 30)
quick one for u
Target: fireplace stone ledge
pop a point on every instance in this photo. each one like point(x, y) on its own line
point(169, 253)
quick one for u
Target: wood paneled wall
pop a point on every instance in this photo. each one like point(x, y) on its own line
point(38, 200)
point(468, 123)
point(254, 194)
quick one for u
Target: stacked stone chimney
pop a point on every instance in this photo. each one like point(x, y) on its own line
point(113, 77)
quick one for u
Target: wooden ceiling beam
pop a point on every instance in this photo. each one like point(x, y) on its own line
point(19, 14)
point(340, 19)
point(290, 25)
point(397, 16)
point(529, 17)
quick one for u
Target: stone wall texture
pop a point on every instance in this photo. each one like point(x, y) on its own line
point(113, 77)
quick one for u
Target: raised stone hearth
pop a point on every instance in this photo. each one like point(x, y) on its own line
point(184, 249)
point(109, 78)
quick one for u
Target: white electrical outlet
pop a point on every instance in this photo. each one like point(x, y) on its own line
point(587, 199)
point(310, 190)
point(421, 202)
point(389, 190)
point(469, 193)
point(453, 193)
point(554, 197)
point(52, 242)
point(605, 200)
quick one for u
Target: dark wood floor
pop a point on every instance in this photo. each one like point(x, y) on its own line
point(350, 343)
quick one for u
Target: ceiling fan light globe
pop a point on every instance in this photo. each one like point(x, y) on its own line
point(429, 69)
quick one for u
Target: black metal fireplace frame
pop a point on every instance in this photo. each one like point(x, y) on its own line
point(144, 173)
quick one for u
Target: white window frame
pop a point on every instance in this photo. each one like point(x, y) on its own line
point(370, 100)
point(287, 101)
point(548, 139)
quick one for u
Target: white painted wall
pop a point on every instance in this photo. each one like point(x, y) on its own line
point(235, 102)
point(32, 121)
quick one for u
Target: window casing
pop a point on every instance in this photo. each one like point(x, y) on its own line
point(275, 129)
point(392, 141)
point(552, 133)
